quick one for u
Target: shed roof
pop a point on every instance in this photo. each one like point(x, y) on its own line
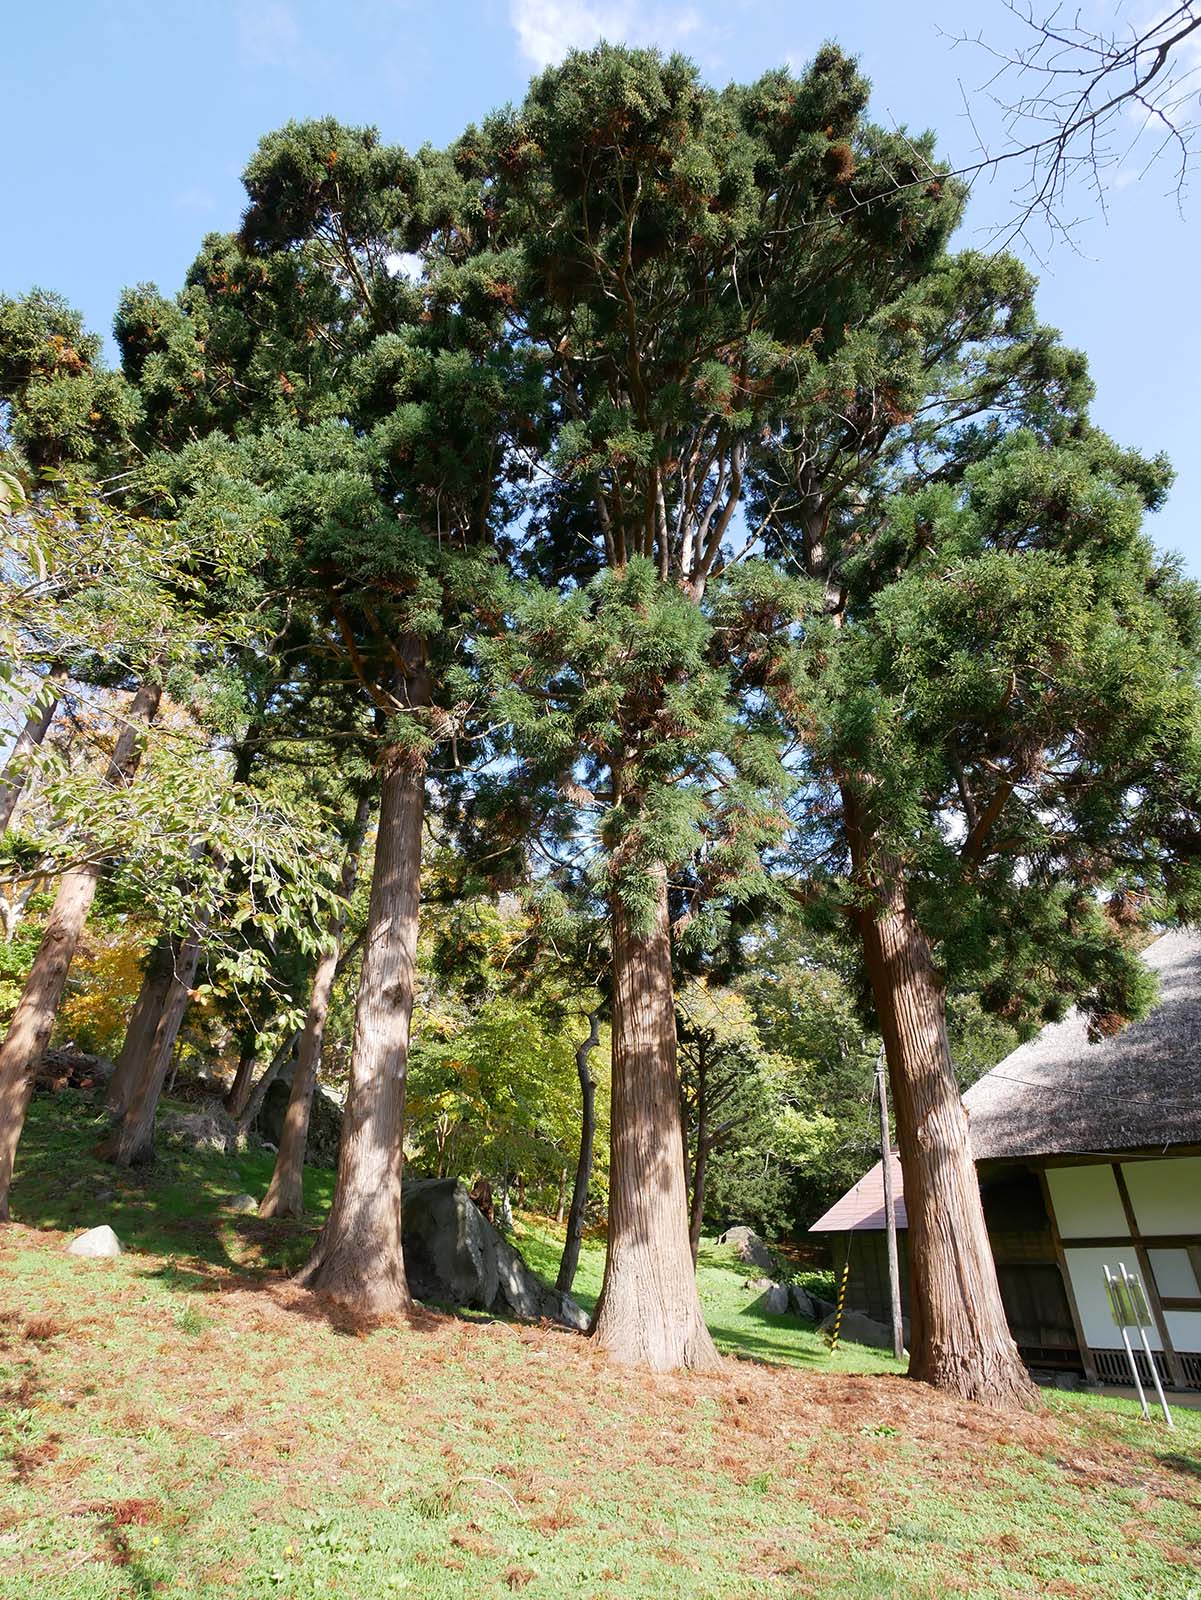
point(1062, 1095)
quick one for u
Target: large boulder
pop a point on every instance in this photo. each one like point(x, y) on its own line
point(325, 1121)
point(211, 1128)
point(450, 1250)
point(748, 1246)
point(97, 1244)
point(454, 1256)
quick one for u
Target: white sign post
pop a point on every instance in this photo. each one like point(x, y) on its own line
point(1128, 1303)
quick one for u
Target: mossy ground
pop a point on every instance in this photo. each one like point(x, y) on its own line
point(182, 1421)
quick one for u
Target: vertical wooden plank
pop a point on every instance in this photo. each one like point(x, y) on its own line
point(1086, 1355)
point(1174, 1365)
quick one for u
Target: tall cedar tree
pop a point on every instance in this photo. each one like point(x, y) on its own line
point(371, 416)
point(997, 705)
point(681, 261)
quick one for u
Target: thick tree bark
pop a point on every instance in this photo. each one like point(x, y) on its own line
point(37, 725)
point(959, 1337)
point(143, 1020)
point(130, 1142)
point(358, 1258)
point(570, 1259)
point(649, 1313)
point(239, 1090)
point(285, 1192)
point(33, 1021)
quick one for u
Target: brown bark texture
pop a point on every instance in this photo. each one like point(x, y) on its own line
point(358, 1258)
point(570, 1259)
point(33, 1021)
point(239, 1090)
point(649, 1313)
point(143, 1020)
point(130, 1142)
point(959, 1337)
point(37, 725)
point(285, 1192)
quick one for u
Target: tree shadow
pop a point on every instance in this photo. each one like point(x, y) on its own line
point(1190, 1465)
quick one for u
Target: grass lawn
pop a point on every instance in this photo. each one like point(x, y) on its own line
point(182, 1421)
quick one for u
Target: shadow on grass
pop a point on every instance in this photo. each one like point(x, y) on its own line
point(1190, 1465)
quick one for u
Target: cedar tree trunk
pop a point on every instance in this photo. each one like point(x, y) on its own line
point(358, 1258)
point(960, 1340)
point(570, 1259)
point(285, 1192)
point(33, 1020)
point(37, 725)
point(649, 1313)
point(239, 1089)
point(130, 1142)
point(143, 1021)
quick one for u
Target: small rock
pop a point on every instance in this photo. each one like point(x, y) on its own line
point(97, 1243)
point(773, 1301)
point(759, 1284)
point(573, 1315)
point(243, 1204)
point(803, 1303)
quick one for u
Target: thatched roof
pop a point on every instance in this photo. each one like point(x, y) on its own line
point(1062, 1095)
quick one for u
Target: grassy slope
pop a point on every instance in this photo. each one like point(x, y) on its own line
point(183, 1422)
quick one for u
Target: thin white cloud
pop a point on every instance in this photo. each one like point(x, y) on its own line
point(547, 29)
point(404, 264)
point(269, 35)
point(196, 201)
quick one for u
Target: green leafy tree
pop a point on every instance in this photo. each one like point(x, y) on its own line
point(996, 699)
point(681, 262)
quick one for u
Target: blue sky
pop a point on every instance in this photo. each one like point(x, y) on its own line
point(129, 122)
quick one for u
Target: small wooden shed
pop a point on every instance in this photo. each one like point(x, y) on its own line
point(1088, 1155)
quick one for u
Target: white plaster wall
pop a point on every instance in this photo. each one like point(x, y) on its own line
point(1184, 1328)
point(1166, 1195)
point(1086, 1270)
point(1086, 1200)
point(1174, 1273)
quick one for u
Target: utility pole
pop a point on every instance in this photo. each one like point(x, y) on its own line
point(890, 1213)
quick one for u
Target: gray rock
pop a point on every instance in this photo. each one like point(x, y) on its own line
point(454, 1256)
point(748, 1246)
point(571, 1314)
point(803, 1303)
point(823, 1308)
point(243, 1204)
point(524, 1293)
point(325, 1121)
point(759, 1284)
point(450, 1251)
point(773, 1301)
point(97, 1243)
point(209, 1129)
point(860, 1329)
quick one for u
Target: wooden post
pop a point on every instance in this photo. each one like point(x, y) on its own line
point(890, 1213)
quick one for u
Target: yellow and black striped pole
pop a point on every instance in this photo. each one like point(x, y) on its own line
point(842, 1300)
